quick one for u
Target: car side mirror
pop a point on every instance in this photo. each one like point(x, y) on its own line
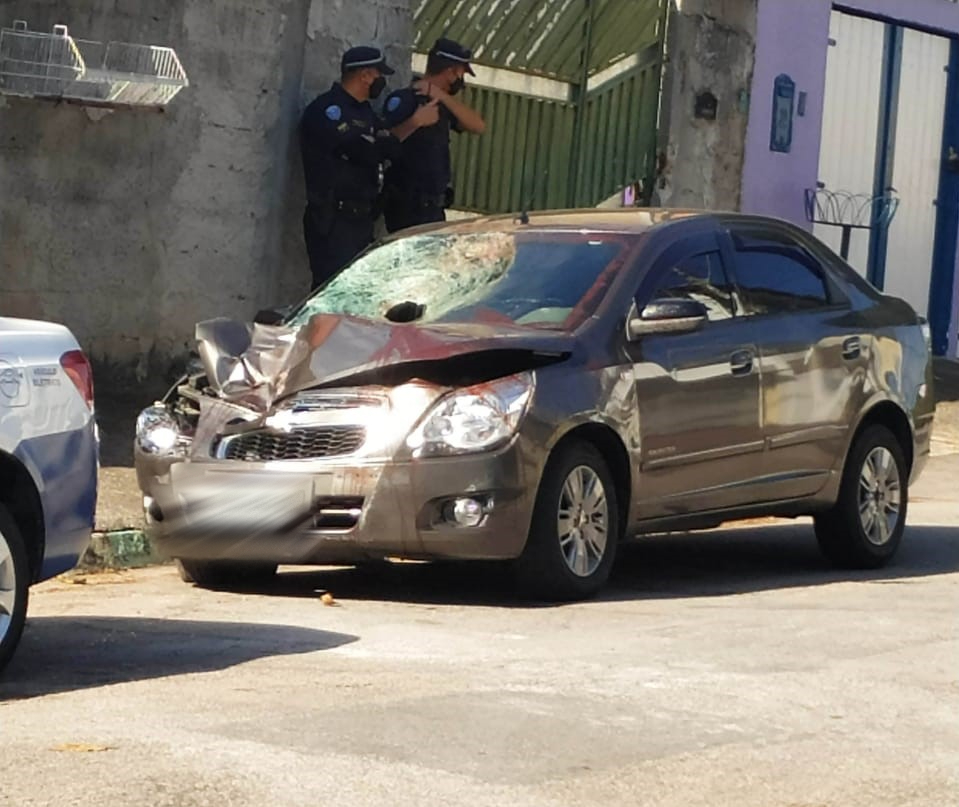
point(668, 315)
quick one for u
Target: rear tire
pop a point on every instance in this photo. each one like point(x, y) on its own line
point(864, 528)
point(14, 586)
point(575, 529)
point(224, 574)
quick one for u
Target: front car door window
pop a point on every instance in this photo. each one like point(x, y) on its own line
point(700, 278)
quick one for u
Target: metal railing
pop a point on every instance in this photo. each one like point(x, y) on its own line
point(850, 211)
point(55, 65)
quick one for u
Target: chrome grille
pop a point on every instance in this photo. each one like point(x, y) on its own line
point(322, 401)
point(298, 444)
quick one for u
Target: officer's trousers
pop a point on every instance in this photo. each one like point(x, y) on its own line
point(333, 239)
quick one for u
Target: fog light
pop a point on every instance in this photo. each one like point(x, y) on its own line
point(465, 512)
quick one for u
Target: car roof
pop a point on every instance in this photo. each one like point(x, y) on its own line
point(612, 220)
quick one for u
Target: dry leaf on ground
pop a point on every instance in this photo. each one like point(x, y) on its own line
point(82, 748)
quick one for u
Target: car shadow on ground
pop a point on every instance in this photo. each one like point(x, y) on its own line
point(64, 654)
point(743, 561)
point(707, 564)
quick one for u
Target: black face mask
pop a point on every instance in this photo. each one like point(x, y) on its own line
point(457, 86)
point(377, 87)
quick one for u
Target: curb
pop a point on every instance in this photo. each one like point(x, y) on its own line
point(119, 549)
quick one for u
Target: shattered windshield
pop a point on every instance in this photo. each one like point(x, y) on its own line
point(534, 279)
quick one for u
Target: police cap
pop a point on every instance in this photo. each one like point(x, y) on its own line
point(453, 52)
point(365, 56)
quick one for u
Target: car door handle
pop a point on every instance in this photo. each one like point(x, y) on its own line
point(851, 348)
point(741, 362)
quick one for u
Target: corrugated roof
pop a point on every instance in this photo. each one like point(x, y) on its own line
point(543, 37)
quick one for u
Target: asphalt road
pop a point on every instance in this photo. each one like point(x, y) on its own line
point(728, 668)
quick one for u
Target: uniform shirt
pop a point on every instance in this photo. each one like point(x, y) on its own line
point(343, 144)
point(421, 163)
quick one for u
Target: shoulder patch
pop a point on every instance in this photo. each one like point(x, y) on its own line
point(393, 104)
point(333, 112)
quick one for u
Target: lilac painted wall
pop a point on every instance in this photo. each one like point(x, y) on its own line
point(795, 44)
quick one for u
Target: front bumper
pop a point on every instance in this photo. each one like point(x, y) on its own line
point(343, 512)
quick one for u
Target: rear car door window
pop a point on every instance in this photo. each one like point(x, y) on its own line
point(776, 275)
point(703, 279)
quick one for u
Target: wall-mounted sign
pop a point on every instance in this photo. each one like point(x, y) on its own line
point(781, 136)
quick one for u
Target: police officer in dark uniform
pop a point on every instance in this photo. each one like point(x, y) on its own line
point(343, 145)
point(419, 181)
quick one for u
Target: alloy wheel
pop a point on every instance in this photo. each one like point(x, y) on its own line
point(583, 521)
point(879, 496)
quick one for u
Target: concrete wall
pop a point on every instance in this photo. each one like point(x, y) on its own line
point(132, 225)
point(710, 46)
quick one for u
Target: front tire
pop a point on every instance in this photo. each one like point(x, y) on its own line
point(572, 540)
point(864, 528)
point(14, 586)
point(224, 574)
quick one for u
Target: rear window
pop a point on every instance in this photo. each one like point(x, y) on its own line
point(776, 275)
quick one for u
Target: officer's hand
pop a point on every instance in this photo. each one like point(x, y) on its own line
point(430, 90)
point(426, 115)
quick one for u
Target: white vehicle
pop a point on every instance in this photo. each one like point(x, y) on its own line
point(48, 463)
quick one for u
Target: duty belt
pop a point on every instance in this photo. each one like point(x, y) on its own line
point(353, 207)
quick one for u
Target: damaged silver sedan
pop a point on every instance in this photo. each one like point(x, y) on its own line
point(536, 391)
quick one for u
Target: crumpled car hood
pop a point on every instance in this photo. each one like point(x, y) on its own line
point(256, 365)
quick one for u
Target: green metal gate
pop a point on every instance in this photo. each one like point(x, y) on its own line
point(591, 135)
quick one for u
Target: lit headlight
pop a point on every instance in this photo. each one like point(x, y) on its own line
point(157, 431)
point(474, 419)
